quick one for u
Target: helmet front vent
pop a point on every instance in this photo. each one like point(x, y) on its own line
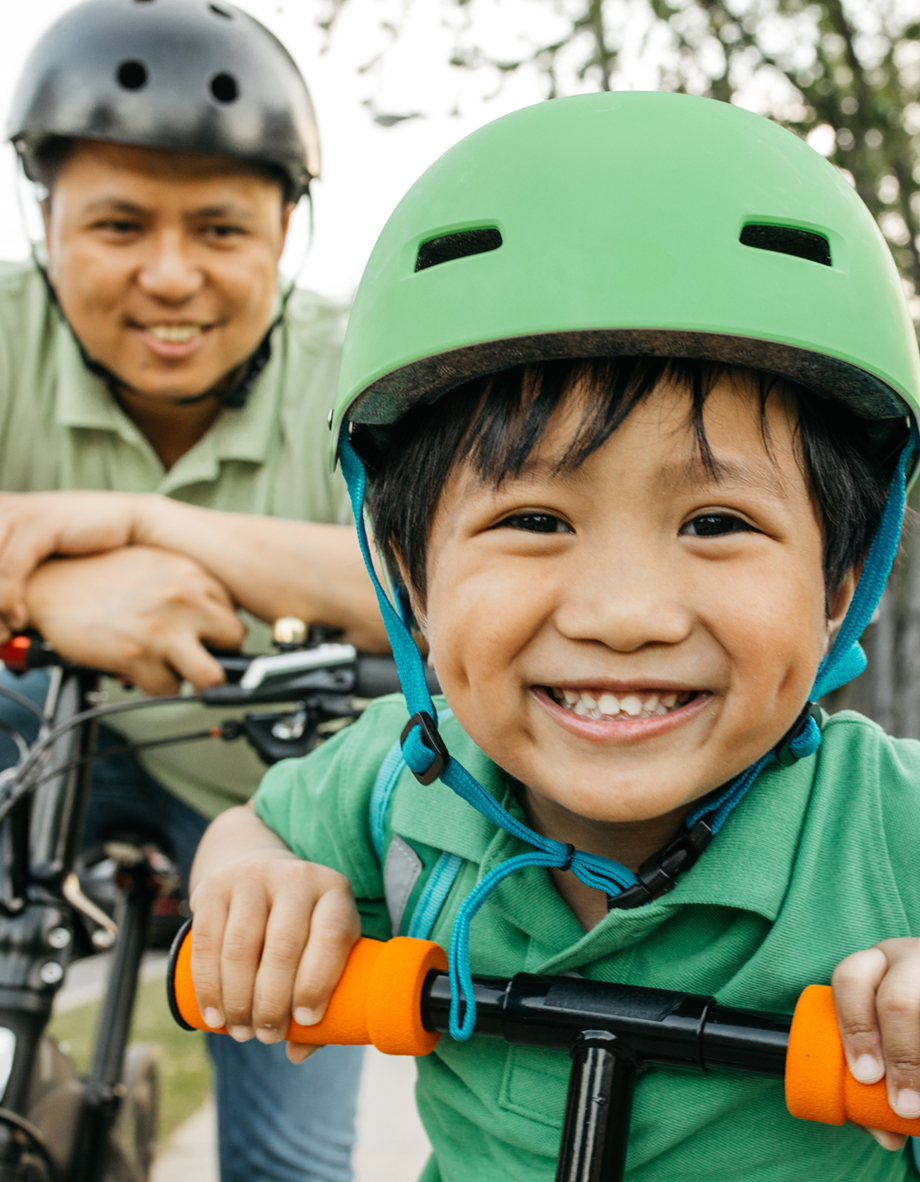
point(457, 246)
point(804, 244)
point(132, 75)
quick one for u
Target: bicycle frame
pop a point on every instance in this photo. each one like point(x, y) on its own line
point(38, 893)
point(39, 890)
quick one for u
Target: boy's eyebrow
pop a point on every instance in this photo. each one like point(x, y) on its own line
point(691, 472)
point(759, 478)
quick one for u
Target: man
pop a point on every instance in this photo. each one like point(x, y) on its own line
point(149, 351)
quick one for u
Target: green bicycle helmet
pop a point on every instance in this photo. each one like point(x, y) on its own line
point(660, 224)
point(623, 224)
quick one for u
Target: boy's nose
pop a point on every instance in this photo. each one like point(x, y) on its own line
point(624, 603)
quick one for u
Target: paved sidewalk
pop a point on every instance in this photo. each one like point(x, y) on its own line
point(392, 1146)
point(191, 1155)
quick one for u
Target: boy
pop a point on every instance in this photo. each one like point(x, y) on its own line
point(634, 385)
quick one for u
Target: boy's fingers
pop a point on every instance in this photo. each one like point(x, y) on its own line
point(207, 938)
point(239, 957)
point(887, 1140)
point(855, 982)
point(297, 1052)
point(334, 930)
point(898, 1005)
point(285, 939)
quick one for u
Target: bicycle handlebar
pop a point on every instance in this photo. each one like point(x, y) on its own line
point(396, 995)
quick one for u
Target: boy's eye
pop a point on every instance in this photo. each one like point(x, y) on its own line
point(714, 525)
point(535, 523)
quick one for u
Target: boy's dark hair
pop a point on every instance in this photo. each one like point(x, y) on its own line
point(495, 423)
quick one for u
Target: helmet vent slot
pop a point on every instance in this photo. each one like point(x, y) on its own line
point(132, 75)
point(224, 88)
point(804, 244)
point(228, 16)
point(457, 246)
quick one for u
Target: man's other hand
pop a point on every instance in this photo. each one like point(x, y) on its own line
point(34, 526)
point(140, 613)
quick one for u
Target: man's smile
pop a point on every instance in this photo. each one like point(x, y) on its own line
point(172, 340)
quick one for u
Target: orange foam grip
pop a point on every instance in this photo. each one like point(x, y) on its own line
point(819, 1085)
point(378, 998)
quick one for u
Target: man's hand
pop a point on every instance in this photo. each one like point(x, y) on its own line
point(137, 612)
point(270, 566)
point(877, 997)
point(271, 933)
point(33, 526)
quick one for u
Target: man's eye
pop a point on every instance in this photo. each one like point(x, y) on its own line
point(118, 227)
point(535, 523)
point(222, 231)
point(714, 525)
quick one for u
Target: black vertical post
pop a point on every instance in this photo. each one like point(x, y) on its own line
point(102, 1096)
point(595, 1131)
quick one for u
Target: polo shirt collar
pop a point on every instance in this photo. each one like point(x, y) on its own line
point(246, 434)
point(747, 867)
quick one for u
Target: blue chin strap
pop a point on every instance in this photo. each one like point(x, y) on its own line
point(425, 754)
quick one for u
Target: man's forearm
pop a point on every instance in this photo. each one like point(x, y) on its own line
point(271, 566)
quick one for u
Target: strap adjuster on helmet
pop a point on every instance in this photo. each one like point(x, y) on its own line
point(431, 738)
point(783, 749)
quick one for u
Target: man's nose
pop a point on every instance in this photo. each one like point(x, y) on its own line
point(170, 273)
point(626, 597)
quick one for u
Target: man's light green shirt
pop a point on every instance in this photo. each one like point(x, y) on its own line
point(817, 861)
point(60, 428)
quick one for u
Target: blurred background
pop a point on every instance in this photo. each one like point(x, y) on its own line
point(397, 82)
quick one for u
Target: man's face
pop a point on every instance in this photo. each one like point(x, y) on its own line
point(627, 637)
point(164, 263)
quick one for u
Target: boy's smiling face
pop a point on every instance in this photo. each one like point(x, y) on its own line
point(626, 637)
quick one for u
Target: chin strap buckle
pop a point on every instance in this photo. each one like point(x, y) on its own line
point(660, 872)
point(431, 738)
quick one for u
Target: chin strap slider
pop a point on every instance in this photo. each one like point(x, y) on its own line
point(424, 751)
point(804, 736)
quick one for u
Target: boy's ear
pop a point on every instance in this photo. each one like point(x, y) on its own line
point(838, 603)
point(418, 622)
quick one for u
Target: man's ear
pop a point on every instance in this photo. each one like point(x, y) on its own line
point(286, 210)
point(45, 207)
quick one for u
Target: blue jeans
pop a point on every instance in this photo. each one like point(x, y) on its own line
point(276, 1122)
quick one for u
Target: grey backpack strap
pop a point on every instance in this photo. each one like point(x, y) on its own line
point(402, 867)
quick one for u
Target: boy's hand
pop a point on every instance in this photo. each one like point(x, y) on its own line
point(270, 939)
point(877, 996)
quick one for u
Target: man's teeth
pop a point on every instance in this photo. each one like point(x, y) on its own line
point(175, 334)
point(603, 704)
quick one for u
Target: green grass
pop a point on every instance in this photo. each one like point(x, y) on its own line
point(182, 1057)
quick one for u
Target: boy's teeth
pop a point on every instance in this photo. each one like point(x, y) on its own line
point(603, 704)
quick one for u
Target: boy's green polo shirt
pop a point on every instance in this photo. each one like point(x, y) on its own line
point(817, 861)
point(60, 428)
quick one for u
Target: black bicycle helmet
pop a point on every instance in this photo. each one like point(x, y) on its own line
point(181, 75)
